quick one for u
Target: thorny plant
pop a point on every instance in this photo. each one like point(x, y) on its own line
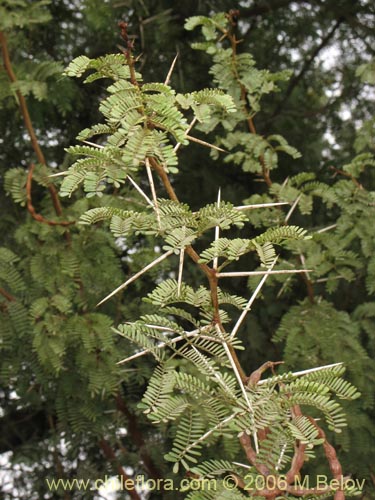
point(145, 128)
point(208, 398)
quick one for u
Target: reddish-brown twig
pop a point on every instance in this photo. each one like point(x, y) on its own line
point(332, 459)
point(346, 174)
point(250, 123)
point(27, 120)
point(138, 439)
point(7, 295)
point(111, 457)
point(31, 208)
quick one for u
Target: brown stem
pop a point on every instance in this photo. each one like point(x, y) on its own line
point(137, 438)
point(256, 375)
point(7, 295)
point(128, 53)
point(111, 457)
point(297, 463)
point(332, 459)
point(295, 81)
point(309, 288)
point(250, 123)
point(27, 120)
point(299, 452)
point(31, 208)
point(210, 273)
point(252, 456)
point(58, 465)
point(259, 9)
point(346, 174)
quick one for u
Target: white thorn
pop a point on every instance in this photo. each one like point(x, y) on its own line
point(324, 280)
point(242, 465)
point(194, 333)
point(58, 174)
point(137, 275)
point(211, 431)
point(171, 70)
point(261, 273)
point(152, 186)
point(193, 122)
point(324, 229)
point(292, 208)
point(280, 457)
point(140, 191)
point(93, 144)
point(240, 383)
point(217, 229)
point(303, 262)
point(204, 143)
point(260, 205)
point(180, 270)
point(251, 300)
point(305, 372)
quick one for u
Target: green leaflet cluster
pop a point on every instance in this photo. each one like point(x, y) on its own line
point(141, 121)
point(51, 315)
point(144, 126)
point(18, 13)
point(238, 76)
point(340, 253)
point(176, 395)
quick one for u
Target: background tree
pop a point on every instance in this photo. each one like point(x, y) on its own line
point(303, 112)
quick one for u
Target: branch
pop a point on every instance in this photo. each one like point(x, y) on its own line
point(129, 51)
point(332, 459)
point(137, 438)
point(252, 456)
point(210, 273)
point(110, 455)
point(256, 375)
point(295, 81)
point(159, 169)
point(27, 120)
point(308, 282)
point(241, 381)
point(299, 453)
point(267, 7)
point(346, 174)
point(7, 295)
point(31, 208)
point(250, 123)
